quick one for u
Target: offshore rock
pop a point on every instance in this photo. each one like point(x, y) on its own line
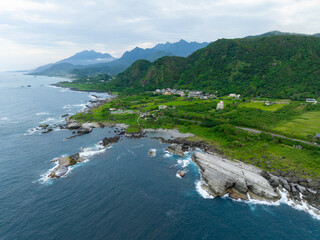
point(83, 131)
point(175, 149)
point(63, 165)
point(106, 141)
point(181, 173)
point(152, 152)
point(236, 179)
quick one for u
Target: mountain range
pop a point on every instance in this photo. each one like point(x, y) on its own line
point(272, 65)
point(92, 63)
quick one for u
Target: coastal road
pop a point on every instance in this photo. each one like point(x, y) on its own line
point(277, 135)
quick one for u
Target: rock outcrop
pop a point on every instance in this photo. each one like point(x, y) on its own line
point(107, 141)
point(181, 173)
point(63, 164)
point(236, 179)
point(152, 152)
point(176, 149)
point(298, 188)
point(187, 145)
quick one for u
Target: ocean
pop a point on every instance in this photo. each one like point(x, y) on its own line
point(120, 192)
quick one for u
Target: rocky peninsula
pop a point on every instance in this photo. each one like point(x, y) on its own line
point(237, 179)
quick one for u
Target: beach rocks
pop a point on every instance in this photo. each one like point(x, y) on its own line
point(233, 178)
point(106, 141)
point(43, 126)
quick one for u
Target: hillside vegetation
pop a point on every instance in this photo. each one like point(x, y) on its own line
point(276, 66)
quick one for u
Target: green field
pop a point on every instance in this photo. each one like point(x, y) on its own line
point(262, 106)
point(304, 127)
point(217, 127)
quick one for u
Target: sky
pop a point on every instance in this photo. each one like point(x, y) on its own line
point(36, 32)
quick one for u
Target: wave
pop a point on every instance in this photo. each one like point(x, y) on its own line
point(69, 106)
point(32, 131)
point(87, 152)
point(42, 113)
point(299, 205)
point(52, 120)
point(44, 178)
point(4, 119)
point(167, 155)
point(178, 175)
point(152, 152)
point(202, 192)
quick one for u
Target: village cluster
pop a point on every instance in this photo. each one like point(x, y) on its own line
point(185, 93)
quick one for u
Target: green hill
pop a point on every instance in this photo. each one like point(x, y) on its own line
point(275, 66)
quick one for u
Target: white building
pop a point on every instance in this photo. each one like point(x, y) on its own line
point(309, 100)
point(220, 105)
point(233, 95)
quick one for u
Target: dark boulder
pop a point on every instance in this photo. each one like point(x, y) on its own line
point(274, 181)
point(106, 141)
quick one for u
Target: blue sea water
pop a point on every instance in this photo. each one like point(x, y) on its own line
point(120, 193)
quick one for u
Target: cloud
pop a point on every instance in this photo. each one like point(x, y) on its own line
point(54, 29)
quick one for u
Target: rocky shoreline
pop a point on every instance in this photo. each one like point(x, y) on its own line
point(221, 176)
point(243, 181)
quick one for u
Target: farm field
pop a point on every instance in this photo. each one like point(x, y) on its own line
point(305, 126)
point(260, 105)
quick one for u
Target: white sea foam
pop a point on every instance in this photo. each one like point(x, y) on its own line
point(4, 119)
point(167, 155)
point(88, 152)
point(42, 113)
point(153, 152)
point(52, 120)
point(31, 131)
point(202, 192)
point(185, 161)
point(69, 106)
point(299, 205)
point(178, 175)
point(44, 178)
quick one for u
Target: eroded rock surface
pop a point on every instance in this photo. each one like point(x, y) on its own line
point(175, 149)
point(234, 178)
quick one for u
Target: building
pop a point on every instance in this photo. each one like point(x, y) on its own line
point(220, 105)
point(311, 100)
point(195, 94)
point(162, 107)
point(233, 95)
point(268, 103)
point(317, 136)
